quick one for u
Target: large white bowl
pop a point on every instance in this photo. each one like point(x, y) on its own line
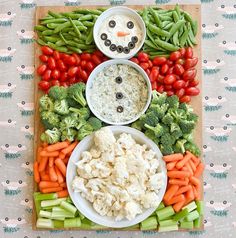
point(114, 11)
point(98, 69)
point(84, 206)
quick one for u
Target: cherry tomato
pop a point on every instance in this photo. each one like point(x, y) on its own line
point(47, 75)
point(51, 63)
point(46, 50)
point(83, 64)
point(71, 60)
point(144, 65)
point(192, 91)
point(164, 68)
point(177, 77)
point(41, 69)
point(150, 63)
point(43, 58)
point(189, 74)
point(175, 56)
point(135, 60)
point(96, 60)
point(180, 93)
point(189, 63)
point(185, 98)
point(168, 87)
point(148, 72)
point(154, 85)
point(85, 56)
point(180, 61)
point(143, 57)
point(90, 66)
point(72, 80)
point(77, 58)
point(186, 84)
point(55, 74)
point(64, 76)
point(169, 79)
point(98, 54)
point(55, 82)
point(159, 60)
point(61, 66)
point(64, 84)
point(189, 53)
point(178, 69)
point(194, 83)
point(178, 84)
point(182, 51)
point(170, 70)
point(83, 75)
point(169, 62)
point(63, 55)
point(154, 74)
point(160, 89)
point(160, 79)
point(56, 55)
point(72, 71)
point(105, 58)
point(170, 93)
point(44, 85)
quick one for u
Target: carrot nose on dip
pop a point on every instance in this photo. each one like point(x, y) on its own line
point(122, 33)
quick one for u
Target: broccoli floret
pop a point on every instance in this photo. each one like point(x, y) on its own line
point(84, 131)
point(68, 122)
point(179, 146)
point(178, 114)
point(165, 128)
point(166, 149)
point(150, 134)
point(83, 112)
point(192, 117)
point(95, 123)
point(137, 125)
point(68, 134)
point(158, 98)
point(57, 92)
point(158, 129)
point(149, 118)
point(185, 107)
point(72, 103)
point(76, 92)
point(49, 119)
point(46, 103)
point(186, 126)
point(51, 136)
point(167, 139)
point(175, 131)
point(173, 101)
point(61, 107)
point(81, 123)
point(167, 119)
point(193, 148)
point(188, 137)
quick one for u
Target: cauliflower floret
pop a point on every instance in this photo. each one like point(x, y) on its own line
point(137, 151)
point(108, 156)
point(95, 184)
point(78, 185)
point(126, 141)
point(95, 153)
point(118, 150)
point(149, 200)
point(135, 191)
point(149, 155)
point(154, 165)
point(104, 139)
point(86, 156)
point(132, 209)
point(84, 171)
point(100, 207)
point(120, 171)
point(155, 182)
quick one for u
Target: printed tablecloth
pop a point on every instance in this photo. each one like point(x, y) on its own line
point(17, 109)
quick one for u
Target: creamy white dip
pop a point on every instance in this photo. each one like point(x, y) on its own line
point(104, 91)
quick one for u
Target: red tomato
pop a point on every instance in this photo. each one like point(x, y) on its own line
point(189, 74)
point(51, 63)
point(189, 53)
point(169, 79)
point(72, 71)
point(169, 62)
point(186, 84)
point(164, 68)
point(180, 61)
point(182, 51)
point(135, 60)
point(98, 53)
point(96, 60)
point(64, 84)
point(44, 85)
point(194, 83)
point(150, 63)
point(71, 60)
point(85, 56)
point(148, 72)
point(154, 74)
point(168, 87)
point(170, 93)
point(46, 50)
point(64, 76)
point(180, 93)
point(47, 75)
point(105, 58)
point(55, 74)
point(41, 69)
point(185, 99)
point(192, 91)
point(170, 70)
point(160, 79)
point(83, 64)
point(159, 60)
point(77, 58)
point(179, 84)
point(177, 77)
point(143, 57)
point(83, 75)
point(43, 58)
point(90, 66)
point(190, 63)
point(154, 85)
point(178, 69)
point(175, 56)
point(144, 65)
point(72, 80)
point(63, 55)
point(61, 66)
point(160, 89)
point(56, 55)
point(55, 82)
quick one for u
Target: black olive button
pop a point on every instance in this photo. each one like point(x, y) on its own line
point(103, 36)
point(119, 95)
point(118, 79)
point(120, 109)
point(113, 47)
point(134, 39)
point(107, 42)
point(119, 49)
point(130, 24)
point(131, 45)
point(112, 23)
point(126, 50)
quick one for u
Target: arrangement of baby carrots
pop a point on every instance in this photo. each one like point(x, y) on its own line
point(50, 167)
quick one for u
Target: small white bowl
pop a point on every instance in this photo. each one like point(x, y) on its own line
point(84, 206)
point(98, 69)
point(122, 11)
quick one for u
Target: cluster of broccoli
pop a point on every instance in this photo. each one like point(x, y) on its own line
point(65, 115)
point(169, 124)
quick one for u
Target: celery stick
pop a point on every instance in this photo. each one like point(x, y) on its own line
point(169, 222)
point(168, 228)
point(200, 207)
point(37, 203)
point(48, 196)
point(186, 224)
point(68, 207)
point(198, 222)
point(58, 224)
point(180, 215)
point(165, 212)
point(86, 224)
point(149, 224)
point(44, 223)
point(192, 216)
point(48, 208)
point(58, 212)
point(47, 203)
point(72, 222)
point(161, 205)
point(191, 206)
point(45, 214)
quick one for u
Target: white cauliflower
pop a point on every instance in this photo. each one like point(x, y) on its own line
point(149, 200)
point(126, 141)
point(78, 185)
point(132, 209)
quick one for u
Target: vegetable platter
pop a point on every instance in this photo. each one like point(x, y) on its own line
point(173, 46)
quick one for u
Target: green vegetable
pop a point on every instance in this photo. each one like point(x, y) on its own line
point(44, 223)
point(57, 92)
point(157, 130)
point(168, 222)
point(60, 213)
point(47, 196)
point(46, 103)
point(192, 216)
point(68, 134)
point(198, 222)
point(61, 107)
point(165, 212)
point(76, 92)
point(161, 205)
point(84, 131)
point(180, 215)
point(137, 125)
point(72, 222)
point(82, 113)
point(149, 224)
point(45, 214)
point(192, 148)
point(168, 228)
point(51, 136)
point(200, 207)
point(37, 202)
point(68, 207)
point(186, 224)
point(190, 207)
point(68, 122)
point(49, 119)
point(95, 123)
point(54, 202)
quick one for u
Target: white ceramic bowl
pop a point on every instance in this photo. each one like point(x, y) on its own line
point(116, 11)
point(98, 69)
point(84, 206)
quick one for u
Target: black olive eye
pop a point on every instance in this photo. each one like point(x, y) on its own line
point(204, 183)
point(211, 164)
point(120, 109)
point(225, 127)
point(7, 181)
point(126, 50)
point(22, 66)
point(204, 61)
point(134, 39)
point(226, 78)
point(219, 97)
point(26, 200)
point(118, 79)
point(216, 24)
point(9, 48)
point(7, 145)
point(218, 60)
point(22, 31)
point(119, 49)
point(205, 146)
point(19, 145)
point(113, 47)
point(224, 202)
point(212, 127)
point(9, 84)
point(19, 219)
point(6, 219)
point(224, 164)
point(107, 42)
point(206, 97)
point(227, 115)
point(9, 121)
point(27, 163)
point(211, 202)
point(103, 36)
point(222, 6)
point(20, 181)
point(9, 13)
point(130, 24)
point(112, 23)
point(131, 45)
point(119, 95)
point(27, 127)
point(23, 102)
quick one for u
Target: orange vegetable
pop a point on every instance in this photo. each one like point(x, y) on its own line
point(44, 144)
point(63, 185)
point(48, 184)
point(51, 162)
point(171, 165)
point(195, 181)
point(199, 193)
point(63, 193)
point(196, 161)
point(65, 160)
point(38, 154)
point(199, 170)
point(178, 182)
point(187, 165)
point(51, 190)
point(183, 189)
point(70, 148)
point(60, 177)
point(177, 206)
point(52, 174)
point(61, 155)
point(36, 172)
point(176, 199)
point(178, 174)
point(190, 194)
point(121, 33)
point(61, 166)
point(173, 157)
point(182, 162)
point(192, 165)
point(49, 154)
point(44, 176)
point(170, 192)
point(57, 146)
point(43, 163)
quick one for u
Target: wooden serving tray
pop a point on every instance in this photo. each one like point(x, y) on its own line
point(196, 102)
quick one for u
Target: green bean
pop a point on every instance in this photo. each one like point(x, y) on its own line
point(158, 31)
point(175, 38)
point(40, 28)
point(53, 14)
point(176, 27)
point(156, 17)
point(175, 16)
point(68, 24)
point(52, 39)
point(47, 32)
point(95, 11)
point(67, 36)
point(57, 20)
point(86, 17)
point(191, 36)
point(77, 40)
point(88, 23)
point(46, 18)
point(189, 19)
point(145, 15)
point(184, 36)
point(195, 28)
point(60, 43)
point(168, 13)
point(189, 42)
point(82, 11)
point(59, 48)
point(62, 37)
point(41, 42)
point(165, 18)
point(52, 25)
point(67, 29)
point(72, 33)
point(75, 27)
point(177, 9)
point(161, 11)
point(165, 45)
point(80, 46)
point(73, 16)
point(89, 39)
point(150, 44)
point(168, 26)
point(83, 37)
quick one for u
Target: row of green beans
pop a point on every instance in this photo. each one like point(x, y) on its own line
point(168, 30)
point(68, 32)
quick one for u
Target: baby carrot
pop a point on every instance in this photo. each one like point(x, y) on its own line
point(60, 177)
point(173, 157)
point(196, 161)
point(36, 172)
point(121, 33)
point(171, 165)
point(51, 190)
point(195, 181)
point(182, 162)
point(176, 199)
point(61, 166)
point(38, 153)
point(195, 192)
point(44, 176)
point(178, 174)
point(170, 192)
point(44, 144)
point(48, 184)
point(51, 161)
point(61, 155)
point(183, 189)
point(193, 167)
point(187, 165)
point(199, 193)
point(57, 146)
point(199, 170)
point(63, 193)
point(52, 174)
point(178, 182)
point(190, 194)
point(177, 206)
point(63, 185)
point(69, 148)
point(43, 163)
point(49, 154)
point(65, 160)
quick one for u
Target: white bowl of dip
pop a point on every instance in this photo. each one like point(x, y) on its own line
point(118, 92)
point(115, 20)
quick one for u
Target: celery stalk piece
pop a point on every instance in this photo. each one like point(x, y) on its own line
point(169, 222)
point(149, 224)
point(45, 214)
point(68, 207)
point(37, 203)
point(44, 223)
point(72, 222)
point(191, 206)
point(192, 216)
point(48, 208)
point(168, 228)
point(47, 196)
point(180, 215)
point(47, 203)
point(186, 224)
point(81, 216)
point(200, 207)
point(165, 212)
point(85, 226)
point(69, 200)
point(198, 222)
point(58, 213)
point(58, 224)
point(161, 205)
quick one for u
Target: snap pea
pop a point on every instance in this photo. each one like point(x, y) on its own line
point(54, 20)
point(52, 25)
point(165, 45)
point(184, 37)
point(72, 33)
point(63, 39)
point(88, 23)
point(177, 9)
point(189, 42)
point(176, 27)
point(47, 32)
point(59, 48)
point(77, 40)
point(145, 15)
point(69, 24)
point(149, 43)
point(46, 18)
point(165, 17)
point(82, 11)
point(76, 50)
point(67, 29)
point(191, 36)
point(175, 38)
point(96, 11)
point(41, 42)
point(80, 46)
point(175, 16)
point(75, 27)
point(158, 31)
point(52, 39)
point(60, 43)
point(168, 26)
point(67, 36)
point(195, 28)
point(156, 17)
point(158, 53)
point(86, 17)
point(89, 39)
point(168, 13)
point(189, 19)
point(40, 28)
point(54, 14)
point(73, 16)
